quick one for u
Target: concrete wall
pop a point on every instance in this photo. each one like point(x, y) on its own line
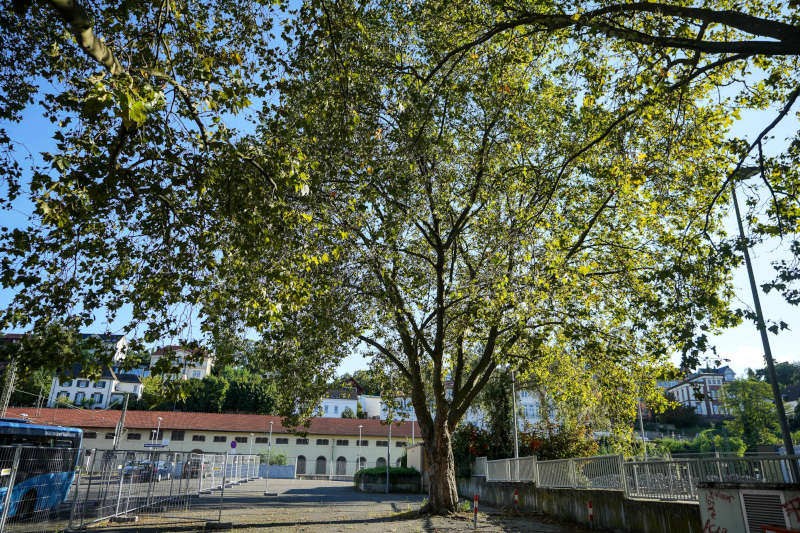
point(610, 508)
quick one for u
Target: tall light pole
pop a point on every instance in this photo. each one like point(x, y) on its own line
point(514, 404)
point(388, 459)
point(158, 430)
point(358, 449)
point(252, 435)
point(762, 326)
point(269, 454)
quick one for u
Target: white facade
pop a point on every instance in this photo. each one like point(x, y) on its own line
point(101, 394)
point(705, 385)
point(188, 369)
point(334, 407)
point(371, 405)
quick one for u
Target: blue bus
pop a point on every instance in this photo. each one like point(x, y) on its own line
point(47, 464)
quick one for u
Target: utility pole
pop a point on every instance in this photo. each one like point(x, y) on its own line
point(514, 404)
point(121, 423)
point(762, 329)
point(269, 456)
point(8, 386)
point(388, 447)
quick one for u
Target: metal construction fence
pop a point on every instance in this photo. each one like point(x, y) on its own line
point(58, 489)
point(653, 479)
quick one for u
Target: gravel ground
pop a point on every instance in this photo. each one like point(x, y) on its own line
point(332, 506)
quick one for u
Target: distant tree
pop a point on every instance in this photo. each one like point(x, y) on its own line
point(496, 403)
point(348, 413)
point(788, 374)
point(754, 414)
point(360, 413)
point(29, 386)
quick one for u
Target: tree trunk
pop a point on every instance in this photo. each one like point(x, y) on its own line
point(442, 493)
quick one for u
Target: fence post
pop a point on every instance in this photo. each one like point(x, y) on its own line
point(121, 481)
point(11, 477)
point(571, 473)
point(222, 490)
point(623, 476)
point(535, 470)
point(77, 489)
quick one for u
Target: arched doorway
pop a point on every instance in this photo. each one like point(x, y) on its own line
point(301, 464)
point(321, 465)
point(341, 466)
point(380, 463)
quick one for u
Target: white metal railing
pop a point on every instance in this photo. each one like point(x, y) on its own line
point(675, 479)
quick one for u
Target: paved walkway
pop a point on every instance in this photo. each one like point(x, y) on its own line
point(332, 506)
point(335, 507)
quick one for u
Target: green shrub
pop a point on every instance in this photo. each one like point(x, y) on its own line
point(395, 472)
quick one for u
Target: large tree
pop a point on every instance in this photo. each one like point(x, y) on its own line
point(489, 212)
point(468, 229)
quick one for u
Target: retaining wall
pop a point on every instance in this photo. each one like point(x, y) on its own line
point(610, 508)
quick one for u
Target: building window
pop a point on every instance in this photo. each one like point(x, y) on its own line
point(220, 438)
point(89, 435)
point(67, 383)
point(281, 440)
point(322, 442)
point(97, 398)
point(109, 436)
point(400, 444)
point(326, 407)
point(383, 443)
point(335, 409)
point(301, 441)
point(177, 434)
point(134, 436)
point(241, 440)
point(100, 385)
point(63, 395)
point(262, 440)
point(362, 443)
point(342, 442)
point(198, 438)
point(80, 397)
point(83, 383)
point(195, 373)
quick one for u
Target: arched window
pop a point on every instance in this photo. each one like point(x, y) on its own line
point(322, 467)
point(380, 463)
point(301, 464)
point(341, 466)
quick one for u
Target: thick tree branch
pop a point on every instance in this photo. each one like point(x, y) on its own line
point(76, 18)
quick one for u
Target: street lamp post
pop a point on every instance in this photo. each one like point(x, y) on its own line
point(388, 459)
point(514, 407)
point(158, 430)
point(269, 454)
point(358, 449)
point(252, 435)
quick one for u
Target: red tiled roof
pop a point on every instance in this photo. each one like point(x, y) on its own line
point(97, 418)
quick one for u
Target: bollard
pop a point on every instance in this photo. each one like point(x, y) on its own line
point(591, 515)
point(516, 500)
point(475, 512)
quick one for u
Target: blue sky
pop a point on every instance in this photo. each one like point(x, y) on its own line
point(741, 345)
